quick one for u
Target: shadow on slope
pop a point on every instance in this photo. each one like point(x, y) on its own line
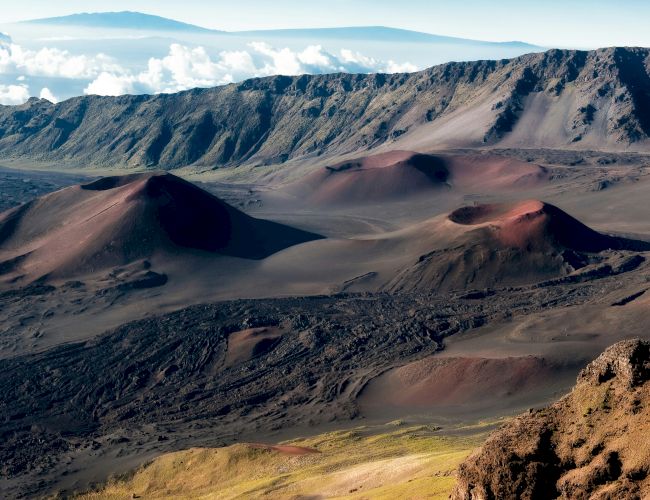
point(118, 220)
point(401, 174)
point(513, 244)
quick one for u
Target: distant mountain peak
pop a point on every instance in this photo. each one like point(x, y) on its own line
point(120, 20)
point(382, 33)
point(142, 21)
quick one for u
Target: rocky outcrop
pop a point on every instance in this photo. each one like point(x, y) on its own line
point(592, 444)
point(603, 95)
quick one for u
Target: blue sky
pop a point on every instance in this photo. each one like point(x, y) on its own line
point(562, 23)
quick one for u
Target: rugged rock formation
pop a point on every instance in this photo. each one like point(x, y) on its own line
point(593, 443)
point(604, 97)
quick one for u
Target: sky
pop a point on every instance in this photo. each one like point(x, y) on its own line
point(60, 62)
point(550, 23)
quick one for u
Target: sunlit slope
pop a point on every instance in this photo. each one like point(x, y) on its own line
point(413, 462)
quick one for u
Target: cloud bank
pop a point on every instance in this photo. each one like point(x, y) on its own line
point(181, 69)
point(52, 62)
point(184, 68)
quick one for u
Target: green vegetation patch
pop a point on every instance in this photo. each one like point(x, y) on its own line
point(378, 462)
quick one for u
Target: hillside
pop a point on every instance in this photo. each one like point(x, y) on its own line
point(593, 443)
point(115, 221)
point(397, 462)
point(216, 373)
point(403, 174)
point(514, 244)
point(557, 99)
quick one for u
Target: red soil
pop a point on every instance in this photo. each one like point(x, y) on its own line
point(247, 344)
point(374, 178)
point(117, 220)
point(509, 245)
point(399, 174)
point(479, 214)
point(485, 173)
point(437, 381)
point(533, 224)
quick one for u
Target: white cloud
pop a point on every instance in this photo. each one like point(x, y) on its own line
point(280, 62)
point(47, 94)
point(182, 68)
point(13, 94)
point(109, 84)
point(393, 67)
point(315, 60)
point(53, 62)
point(368, 64)
point(186, 67)
point(314, 55)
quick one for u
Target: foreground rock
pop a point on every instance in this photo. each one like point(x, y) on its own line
point(593, 443)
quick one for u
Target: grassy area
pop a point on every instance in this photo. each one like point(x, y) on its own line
point(385, 463)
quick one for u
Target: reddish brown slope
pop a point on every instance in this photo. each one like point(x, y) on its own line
point(511, 244)
point(400, 174)
point(116, 220)
point(534, 225)
point(443, 383)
